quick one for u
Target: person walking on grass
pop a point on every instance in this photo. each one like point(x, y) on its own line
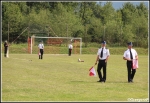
point(5, 48)
point(130, 54)
point(102, 58)
point(41, 49)
point(70, 47)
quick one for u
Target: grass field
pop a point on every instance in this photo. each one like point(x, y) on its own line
point(63, 78)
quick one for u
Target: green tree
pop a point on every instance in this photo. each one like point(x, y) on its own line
point(86, 14)
point(12, 20)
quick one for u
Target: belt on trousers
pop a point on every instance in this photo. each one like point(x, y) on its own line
point(102, 59)
point(129, 61)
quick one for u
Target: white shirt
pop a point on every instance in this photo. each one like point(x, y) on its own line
point(105, 53)
point(70, 46)
point(41, 46)
point(127, 53)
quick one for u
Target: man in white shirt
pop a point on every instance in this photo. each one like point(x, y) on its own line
point(41, 49)
point(102, 58)
point(129, 55)
point(70, 47)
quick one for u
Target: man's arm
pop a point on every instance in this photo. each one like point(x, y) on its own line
point(124, 57)
point(136, 57)
point(127, 59)
point(97, 58)
point(107, 58)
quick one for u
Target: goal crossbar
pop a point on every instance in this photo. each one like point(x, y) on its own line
point(56, 37)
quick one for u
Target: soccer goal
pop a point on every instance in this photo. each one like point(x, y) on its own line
point(56, 45)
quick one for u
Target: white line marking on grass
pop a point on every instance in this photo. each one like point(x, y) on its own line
point(22, 59)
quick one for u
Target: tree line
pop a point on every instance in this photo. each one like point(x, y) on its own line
point(91, 21)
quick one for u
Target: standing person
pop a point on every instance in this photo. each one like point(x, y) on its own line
point(5, 48)
point(102, 58)
point(41, 49)
point(70, 47)
point(129, 55)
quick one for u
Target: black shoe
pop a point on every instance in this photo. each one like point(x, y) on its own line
point(104, 80)
point(130, 81)
point(100, 81)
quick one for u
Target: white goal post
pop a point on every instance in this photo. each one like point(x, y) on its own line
point(67, 38)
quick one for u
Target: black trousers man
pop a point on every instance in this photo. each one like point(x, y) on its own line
point(70, 50)
point(102, 64)
point(5, 51)
point(131, 71)
point(41, 54)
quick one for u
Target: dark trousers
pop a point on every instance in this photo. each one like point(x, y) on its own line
point(41, 56)
point(102, 64)
point(69, 52)
point(5, 51)
point(131, 71)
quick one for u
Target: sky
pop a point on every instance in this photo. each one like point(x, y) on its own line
point(119, 4)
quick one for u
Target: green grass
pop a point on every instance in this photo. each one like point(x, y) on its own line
point(23, 49)
point(62, 78)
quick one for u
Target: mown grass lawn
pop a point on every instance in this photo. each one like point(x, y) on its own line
point(63, 78)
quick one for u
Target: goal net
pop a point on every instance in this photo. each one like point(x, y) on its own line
point(55, 45)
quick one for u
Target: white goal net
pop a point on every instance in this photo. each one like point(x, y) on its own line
point(56, 45)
